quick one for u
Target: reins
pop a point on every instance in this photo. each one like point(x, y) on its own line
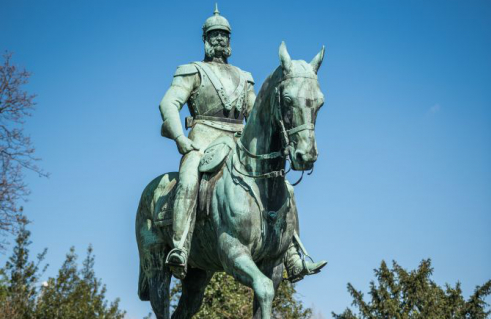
point(285, 134)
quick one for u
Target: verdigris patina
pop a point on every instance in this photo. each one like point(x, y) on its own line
point(242, 217)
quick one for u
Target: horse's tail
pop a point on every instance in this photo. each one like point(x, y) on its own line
point(143, 284)
point(151, 242)
point(143, 290)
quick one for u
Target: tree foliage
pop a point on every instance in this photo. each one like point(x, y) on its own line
point(287, 306)
point(225, 298)
point(400, 294)
point(74, 293)
point(16, 150)
point(20, 277)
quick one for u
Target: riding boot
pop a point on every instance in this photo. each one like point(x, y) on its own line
point(296, 265)
point(182, 228)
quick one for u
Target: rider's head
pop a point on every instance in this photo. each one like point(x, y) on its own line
point(216, 36)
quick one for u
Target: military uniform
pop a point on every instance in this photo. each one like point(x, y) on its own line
point(218, 96)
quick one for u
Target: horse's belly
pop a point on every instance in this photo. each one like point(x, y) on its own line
point(204, 247)
point(277, 238)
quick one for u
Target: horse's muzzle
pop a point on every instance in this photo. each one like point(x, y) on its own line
point(303, 161)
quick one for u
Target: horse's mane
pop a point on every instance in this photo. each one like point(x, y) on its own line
point(269, 84)
point(265, 92)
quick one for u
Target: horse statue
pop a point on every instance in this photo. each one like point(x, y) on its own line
point(246, 214)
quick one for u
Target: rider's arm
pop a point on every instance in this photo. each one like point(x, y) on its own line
point(185, 80)
point(250, 95)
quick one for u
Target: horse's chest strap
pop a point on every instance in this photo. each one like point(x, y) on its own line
point(271, 216)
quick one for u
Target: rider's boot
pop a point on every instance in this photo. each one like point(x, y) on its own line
point(177, 258)
point(296, 265)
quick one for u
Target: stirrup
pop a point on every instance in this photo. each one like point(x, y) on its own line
point(177, 262)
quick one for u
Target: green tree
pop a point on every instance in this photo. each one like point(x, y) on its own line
point(400, 294)
point(225, 298)
point(74, 293)
point(19, 278)
point(287, 306)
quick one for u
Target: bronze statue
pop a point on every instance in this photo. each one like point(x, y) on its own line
point(242, 217)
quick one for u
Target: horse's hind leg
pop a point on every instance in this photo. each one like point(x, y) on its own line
point(159, 285)
point(193, 290)
point(275, 273)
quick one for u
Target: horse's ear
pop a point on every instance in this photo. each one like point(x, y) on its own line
point(286, 61)
point(317, 60)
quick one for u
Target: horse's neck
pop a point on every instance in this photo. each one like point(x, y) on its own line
point(261, 136)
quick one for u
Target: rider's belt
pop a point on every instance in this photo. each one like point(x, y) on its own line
point(216, 118)
point(221, 123)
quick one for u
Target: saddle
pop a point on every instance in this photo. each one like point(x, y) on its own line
point(211, 162)
point(215, 154)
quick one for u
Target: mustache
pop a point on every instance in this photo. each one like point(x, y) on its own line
point(218, 44)
point(217, 48)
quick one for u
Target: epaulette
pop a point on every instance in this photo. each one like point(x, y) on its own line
point(186, 69)
point(248, 77)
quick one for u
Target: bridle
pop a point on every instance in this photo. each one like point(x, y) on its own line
point(286, 144)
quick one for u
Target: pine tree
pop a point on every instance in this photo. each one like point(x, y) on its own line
point(20, 277)
point(76, 293)
point(400, 294)
point(73, 294)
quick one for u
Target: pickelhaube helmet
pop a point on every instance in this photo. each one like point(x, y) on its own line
point(216, 22)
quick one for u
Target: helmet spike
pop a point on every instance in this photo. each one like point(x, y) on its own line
point(216, 22)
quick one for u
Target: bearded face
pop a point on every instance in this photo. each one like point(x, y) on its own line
point(217, 45)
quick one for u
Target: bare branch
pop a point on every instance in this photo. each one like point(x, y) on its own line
point(16, 149)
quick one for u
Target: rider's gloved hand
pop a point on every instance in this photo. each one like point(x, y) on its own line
point(185, 145)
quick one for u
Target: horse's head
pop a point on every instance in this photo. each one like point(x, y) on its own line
point(299, 98)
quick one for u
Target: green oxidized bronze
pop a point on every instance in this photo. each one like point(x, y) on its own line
point(229, 208)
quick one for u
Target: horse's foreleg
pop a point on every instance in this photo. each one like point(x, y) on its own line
point(238, 263)
point(275, 273)
point(248, 274)
point(193, 290)
point(159, 285)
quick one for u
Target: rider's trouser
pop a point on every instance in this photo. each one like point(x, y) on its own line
point(184, 214)
point(185, 201)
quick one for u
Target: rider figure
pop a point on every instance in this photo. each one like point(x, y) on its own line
point(219, 97)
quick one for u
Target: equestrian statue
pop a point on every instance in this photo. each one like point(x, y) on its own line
point(230, 207)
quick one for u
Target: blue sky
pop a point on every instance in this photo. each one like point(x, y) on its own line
point(404, 171)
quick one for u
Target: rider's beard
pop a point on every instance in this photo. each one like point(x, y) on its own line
point(217, 51)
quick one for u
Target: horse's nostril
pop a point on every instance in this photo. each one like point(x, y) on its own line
point(300, 156)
